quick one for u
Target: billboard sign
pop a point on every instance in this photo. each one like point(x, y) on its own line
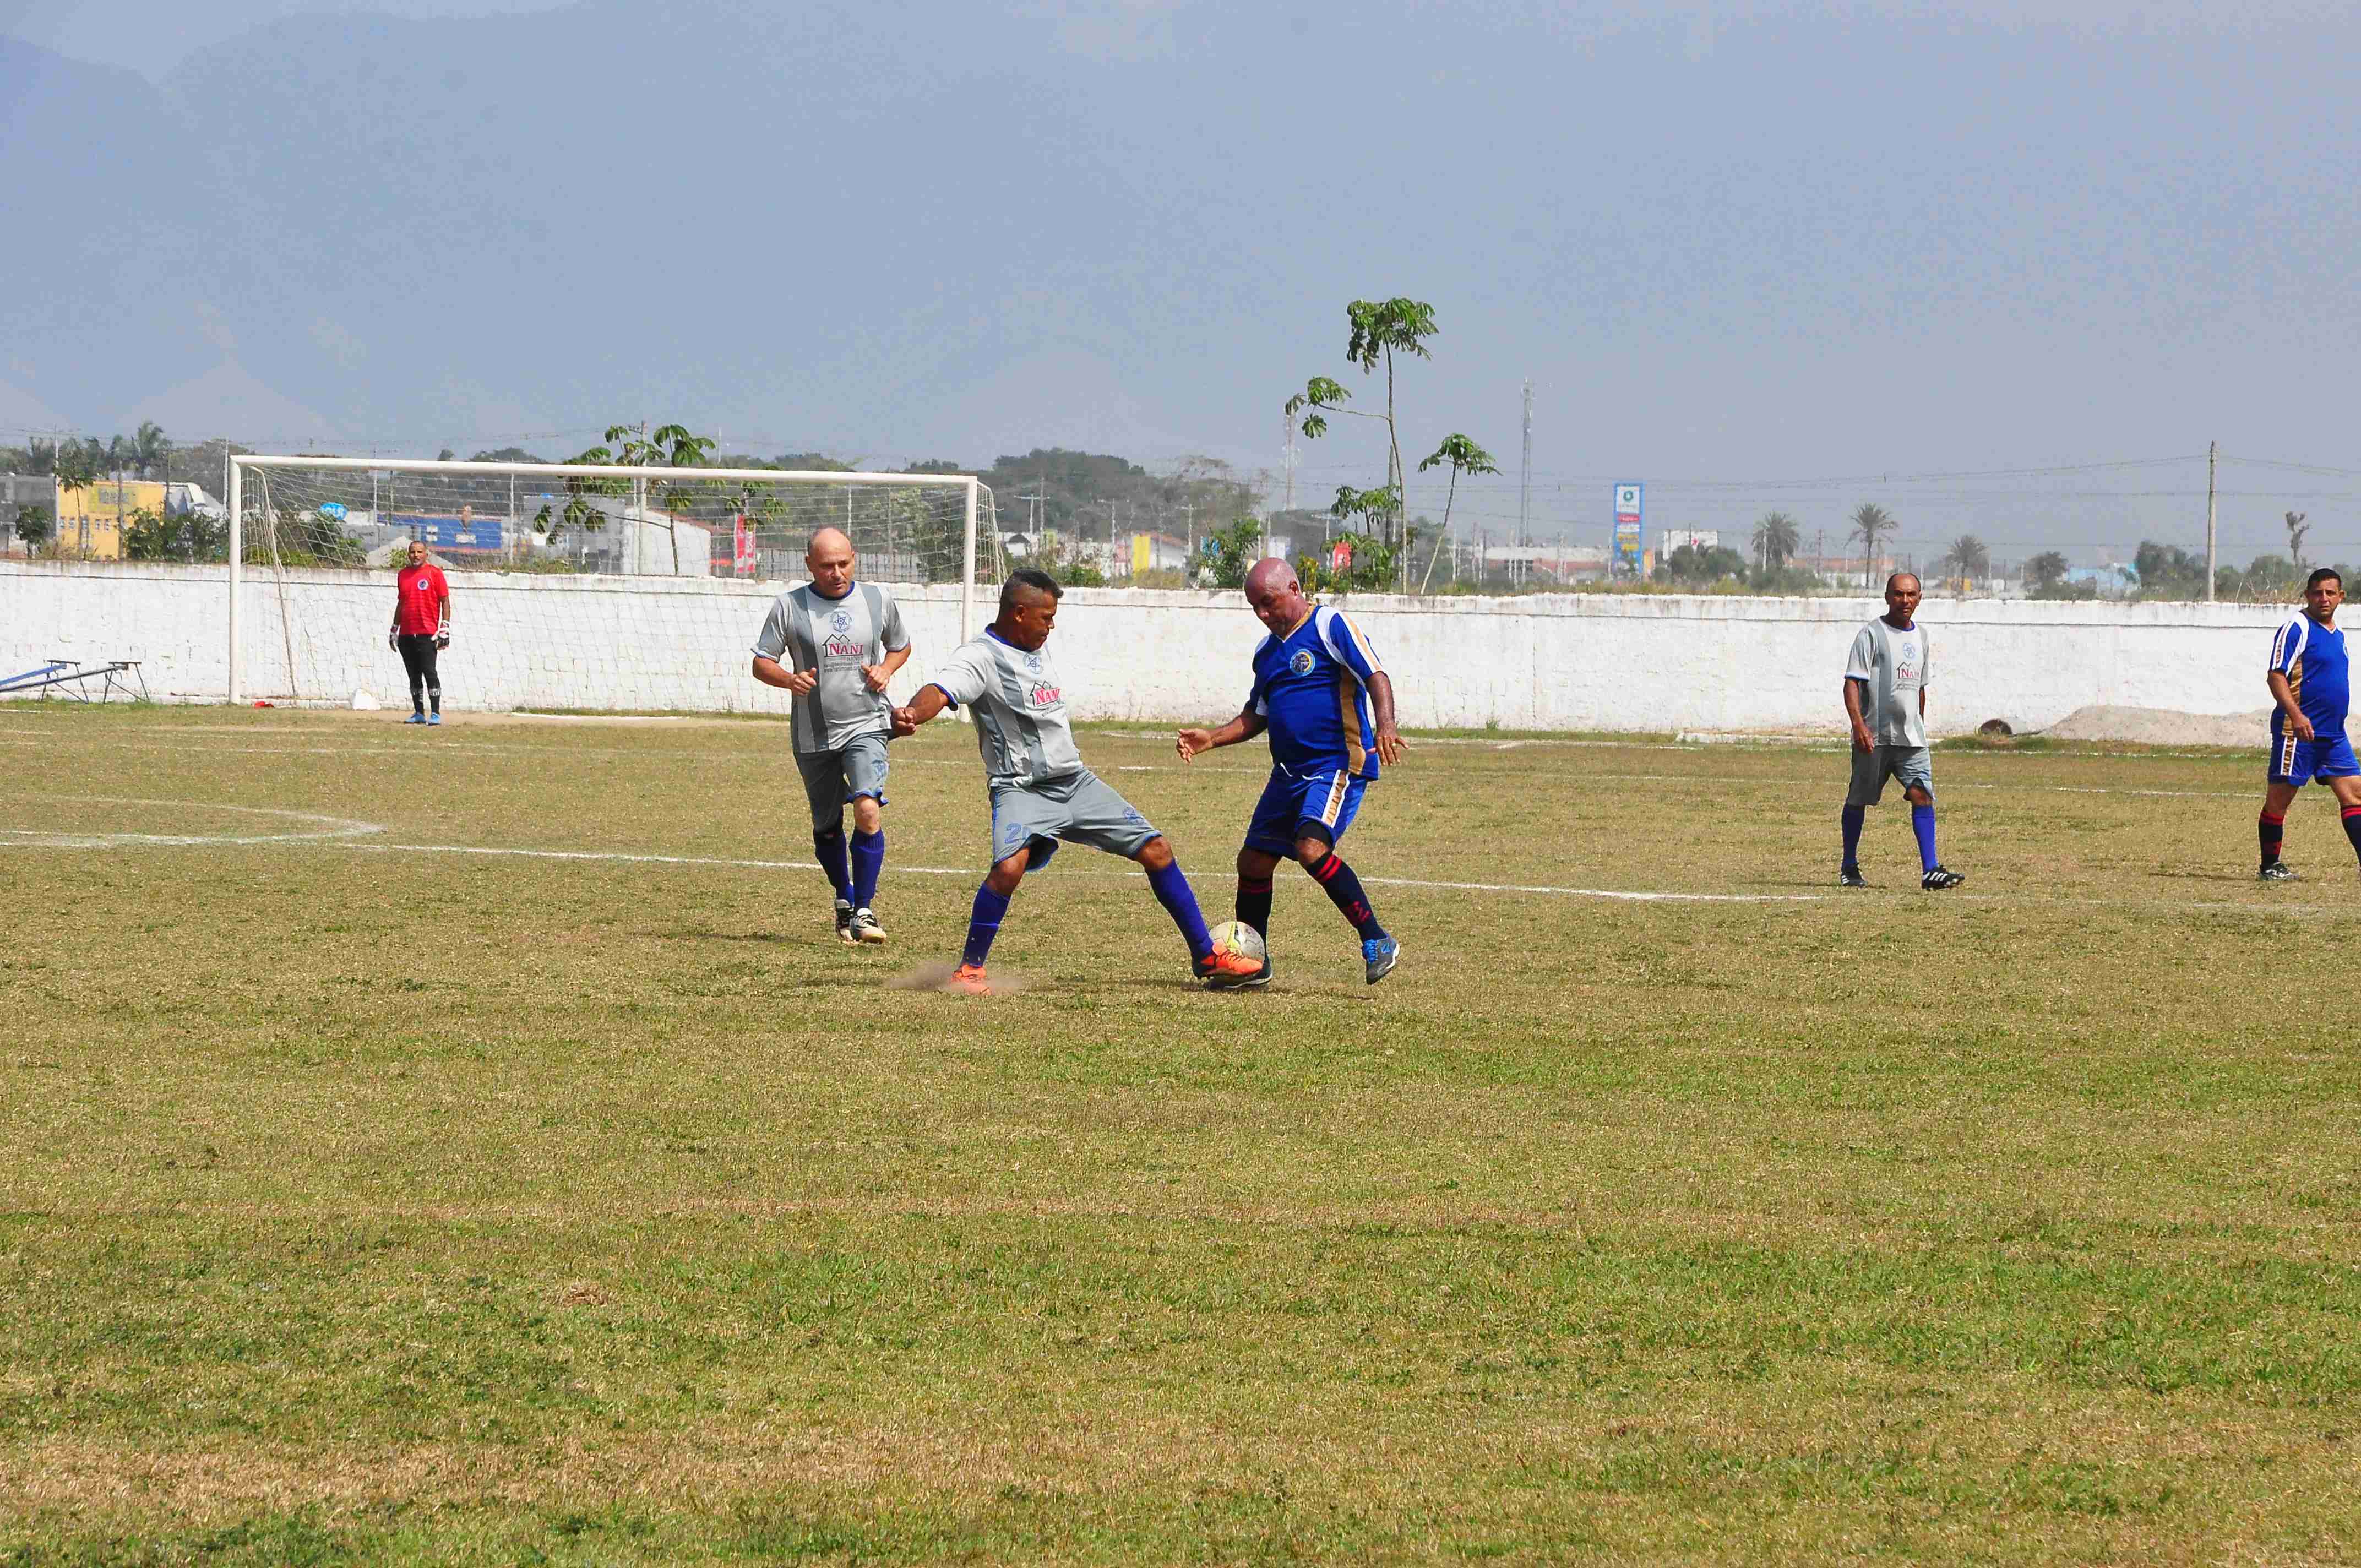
point(452, 533)
point(1629, 539)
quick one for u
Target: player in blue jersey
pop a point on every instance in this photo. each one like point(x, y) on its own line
point(1316, 682)
point(2311, 691)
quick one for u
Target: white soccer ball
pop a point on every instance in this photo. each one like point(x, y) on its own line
point(1232, 936)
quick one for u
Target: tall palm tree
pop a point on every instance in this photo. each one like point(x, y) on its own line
point(1776, 538)
point(150, 449)
point(1969, 557)
point(1872, 526)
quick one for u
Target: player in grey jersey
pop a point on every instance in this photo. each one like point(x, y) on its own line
point(842, 641)
point(1041, 791)
point(1885, 682)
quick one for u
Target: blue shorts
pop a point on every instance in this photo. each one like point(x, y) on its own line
point(1310, 802)
point(2301, 762)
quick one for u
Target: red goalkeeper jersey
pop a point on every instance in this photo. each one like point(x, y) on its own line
point(419, 593)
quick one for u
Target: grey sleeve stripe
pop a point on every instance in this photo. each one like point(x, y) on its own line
point(811, 734)
point(874, 603)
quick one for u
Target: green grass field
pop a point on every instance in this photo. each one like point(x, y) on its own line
point(372, 1198)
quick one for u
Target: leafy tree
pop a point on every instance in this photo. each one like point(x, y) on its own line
point(2046, 570)
point(1776, 539)
point(1380, 330)
point(1064, 559)
point(2169, 572)
point(1464, 456)
point(187, 536)
point(1787, 580)
point(2296, 528)
point(507, 455)
point(2269, 577)
point(1236, 548)
point(1871, 524)
point(935, 466)
point(1371, 566)
point(446, 454)
point(1694, 566)
point(668, 446)
point(36, 525)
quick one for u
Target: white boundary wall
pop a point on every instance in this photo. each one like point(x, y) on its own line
point(1555, 662)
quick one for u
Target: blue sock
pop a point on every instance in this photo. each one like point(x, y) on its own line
point(1922, 822)
point(1854, 817)
point(868, 859)
point(830, 847)
point(1172, 891)
point(983, 925)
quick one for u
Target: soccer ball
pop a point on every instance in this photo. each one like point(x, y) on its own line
point(1234, 936)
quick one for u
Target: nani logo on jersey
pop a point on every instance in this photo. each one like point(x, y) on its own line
point(1301, 662)
point(1044, 695)
point(843, 647)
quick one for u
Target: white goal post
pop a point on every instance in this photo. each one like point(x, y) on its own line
point(292, 513)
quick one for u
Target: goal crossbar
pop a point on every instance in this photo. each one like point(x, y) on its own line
point(652, 475)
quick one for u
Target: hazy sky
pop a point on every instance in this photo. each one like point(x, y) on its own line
point(1759, 254)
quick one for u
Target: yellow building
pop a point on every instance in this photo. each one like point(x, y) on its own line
point(90, 520)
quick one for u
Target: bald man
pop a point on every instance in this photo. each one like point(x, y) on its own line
point(1316, 682)
point(842, 641)
point(1886, 676)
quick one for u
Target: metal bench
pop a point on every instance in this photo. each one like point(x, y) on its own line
point(74, 677)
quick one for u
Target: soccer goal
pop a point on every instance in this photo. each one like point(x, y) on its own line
point(298, 524)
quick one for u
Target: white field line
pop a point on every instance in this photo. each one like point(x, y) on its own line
point(461, 748)
point(1623, 895)
point(330, 829)
point(621, 857)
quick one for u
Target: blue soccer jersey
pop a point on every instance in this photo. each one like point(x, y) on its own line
point(1311, 687)
point(2312, 657)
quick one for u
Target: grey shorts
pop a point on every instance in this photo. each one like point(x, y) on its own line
point(834, 779)
point(1082, 808)
point(1871, 769)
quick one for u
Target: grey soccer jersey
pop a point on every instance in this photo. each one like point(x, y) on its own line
point(1019, 710)
point(836, 637)
point(1893, 667)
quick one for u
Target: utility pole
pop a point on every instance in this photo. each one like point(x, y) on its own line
point(1287, 452)
point(2211, 449)
point(1525, 474)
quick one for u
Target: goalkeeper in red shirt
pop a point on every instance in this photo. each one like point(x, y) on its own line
point(421, 629)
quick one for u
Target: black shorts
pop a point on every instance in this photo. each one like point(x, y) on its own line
point(418, 658)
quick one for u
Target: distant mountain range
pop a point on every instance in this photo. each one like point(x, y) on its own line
point(822, 225)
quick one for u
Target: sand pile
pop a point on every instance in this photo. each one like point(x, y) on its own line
point(2163, 727)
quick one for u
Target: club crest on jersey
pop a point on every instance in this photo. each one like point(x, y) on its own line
point(1301, 662)
point(839, 621)
point(1043, 694)
point(1033, 662)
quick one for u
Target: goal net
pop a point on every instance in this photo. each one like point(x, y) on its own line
point(300, 526)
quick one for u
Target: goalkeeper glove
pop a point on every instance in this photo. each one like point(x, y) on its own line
point(442, 639)
point(393, 638)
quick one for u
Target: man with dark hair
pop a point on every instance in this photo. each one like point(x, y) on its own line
point(1041, 792)
point(1885, 707)
point(842, 641)
point(1316, 680)
point(2310, 693)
